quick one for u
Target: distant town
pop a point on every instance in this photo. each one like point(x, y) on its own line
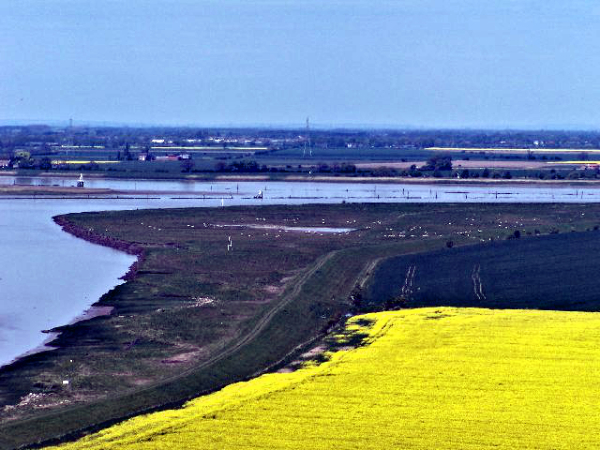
point(177, 152)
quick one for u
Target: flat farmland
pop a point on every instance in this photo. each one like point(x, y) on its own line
point(513, 150)
point(432, 378)
point(557, 272)
point(466, 164)
point(221, 295)
point(339, 155)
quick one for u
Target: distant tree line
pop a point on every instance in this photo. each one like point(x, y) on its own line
point(40, 137)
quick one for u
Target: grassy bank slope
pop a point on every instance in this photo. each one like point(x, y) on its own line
point(440, 378)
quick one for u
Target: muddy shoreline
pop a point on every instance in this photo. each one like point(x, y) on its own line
point(19, 190)
point(96, 309)
point(56, 192)
point(131, 248)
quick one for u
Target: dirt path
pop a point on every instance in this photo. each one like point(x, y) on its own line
point(364, 275)
point(263, 322)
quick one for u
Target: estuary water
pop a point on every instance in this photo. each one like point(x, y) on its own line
point(49, 278)
point(290, 192)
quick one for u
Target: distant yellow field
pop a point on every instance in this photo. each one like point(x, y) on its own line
point(513, 150)
point(58, 161)
point(214, 148)
point(574, 162)
point(435, 378)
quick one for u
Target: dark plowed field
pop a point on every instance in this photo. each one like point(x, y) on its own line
point(552, 272)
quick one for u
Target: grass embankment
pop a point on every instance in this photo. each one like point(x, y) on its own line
point(439, 378)
point(62, 191)
point(197, 317)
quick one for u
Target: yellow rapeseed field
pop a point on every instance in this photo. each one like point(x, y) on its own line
point(434, 378)
point(78, 161)
point(574, 162)
point(513, 150)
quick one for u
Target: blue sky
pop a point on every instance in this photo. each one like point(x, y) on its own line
point(421, 63)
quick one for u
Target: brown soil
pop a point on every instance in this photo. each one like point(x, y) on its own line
point(124, 246)
point(313, 352)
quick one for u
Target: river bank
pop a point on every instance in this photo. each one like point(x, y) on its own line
point(131, 248)
point(297, 177)
point(23, 191)
point(19, 190)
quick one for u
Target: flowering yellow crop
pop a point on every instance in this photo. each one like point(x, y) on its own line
point(513, 150)
point(584, 161)
point(77, 161)
point(434, 378)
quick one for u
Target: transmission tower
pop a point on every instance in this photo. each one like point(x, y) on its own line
point(307, 144)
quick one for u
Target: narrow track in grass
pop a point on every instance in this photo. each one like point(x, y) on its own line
point(260, 326)
point(263, 322)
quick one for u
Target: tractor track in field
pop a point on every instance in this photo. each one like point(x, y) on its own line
point(477, 286)
point(407, 288)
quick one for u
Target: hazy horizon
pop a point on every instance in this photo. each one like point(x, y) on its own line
point(430, 64)
point(64, 123)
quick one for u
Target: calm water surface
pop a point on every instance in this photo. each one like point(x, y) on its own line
point(285, 192)
point(47, 277)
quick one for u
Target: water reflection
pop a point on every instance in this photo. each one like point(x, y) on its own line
point(294, 192)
